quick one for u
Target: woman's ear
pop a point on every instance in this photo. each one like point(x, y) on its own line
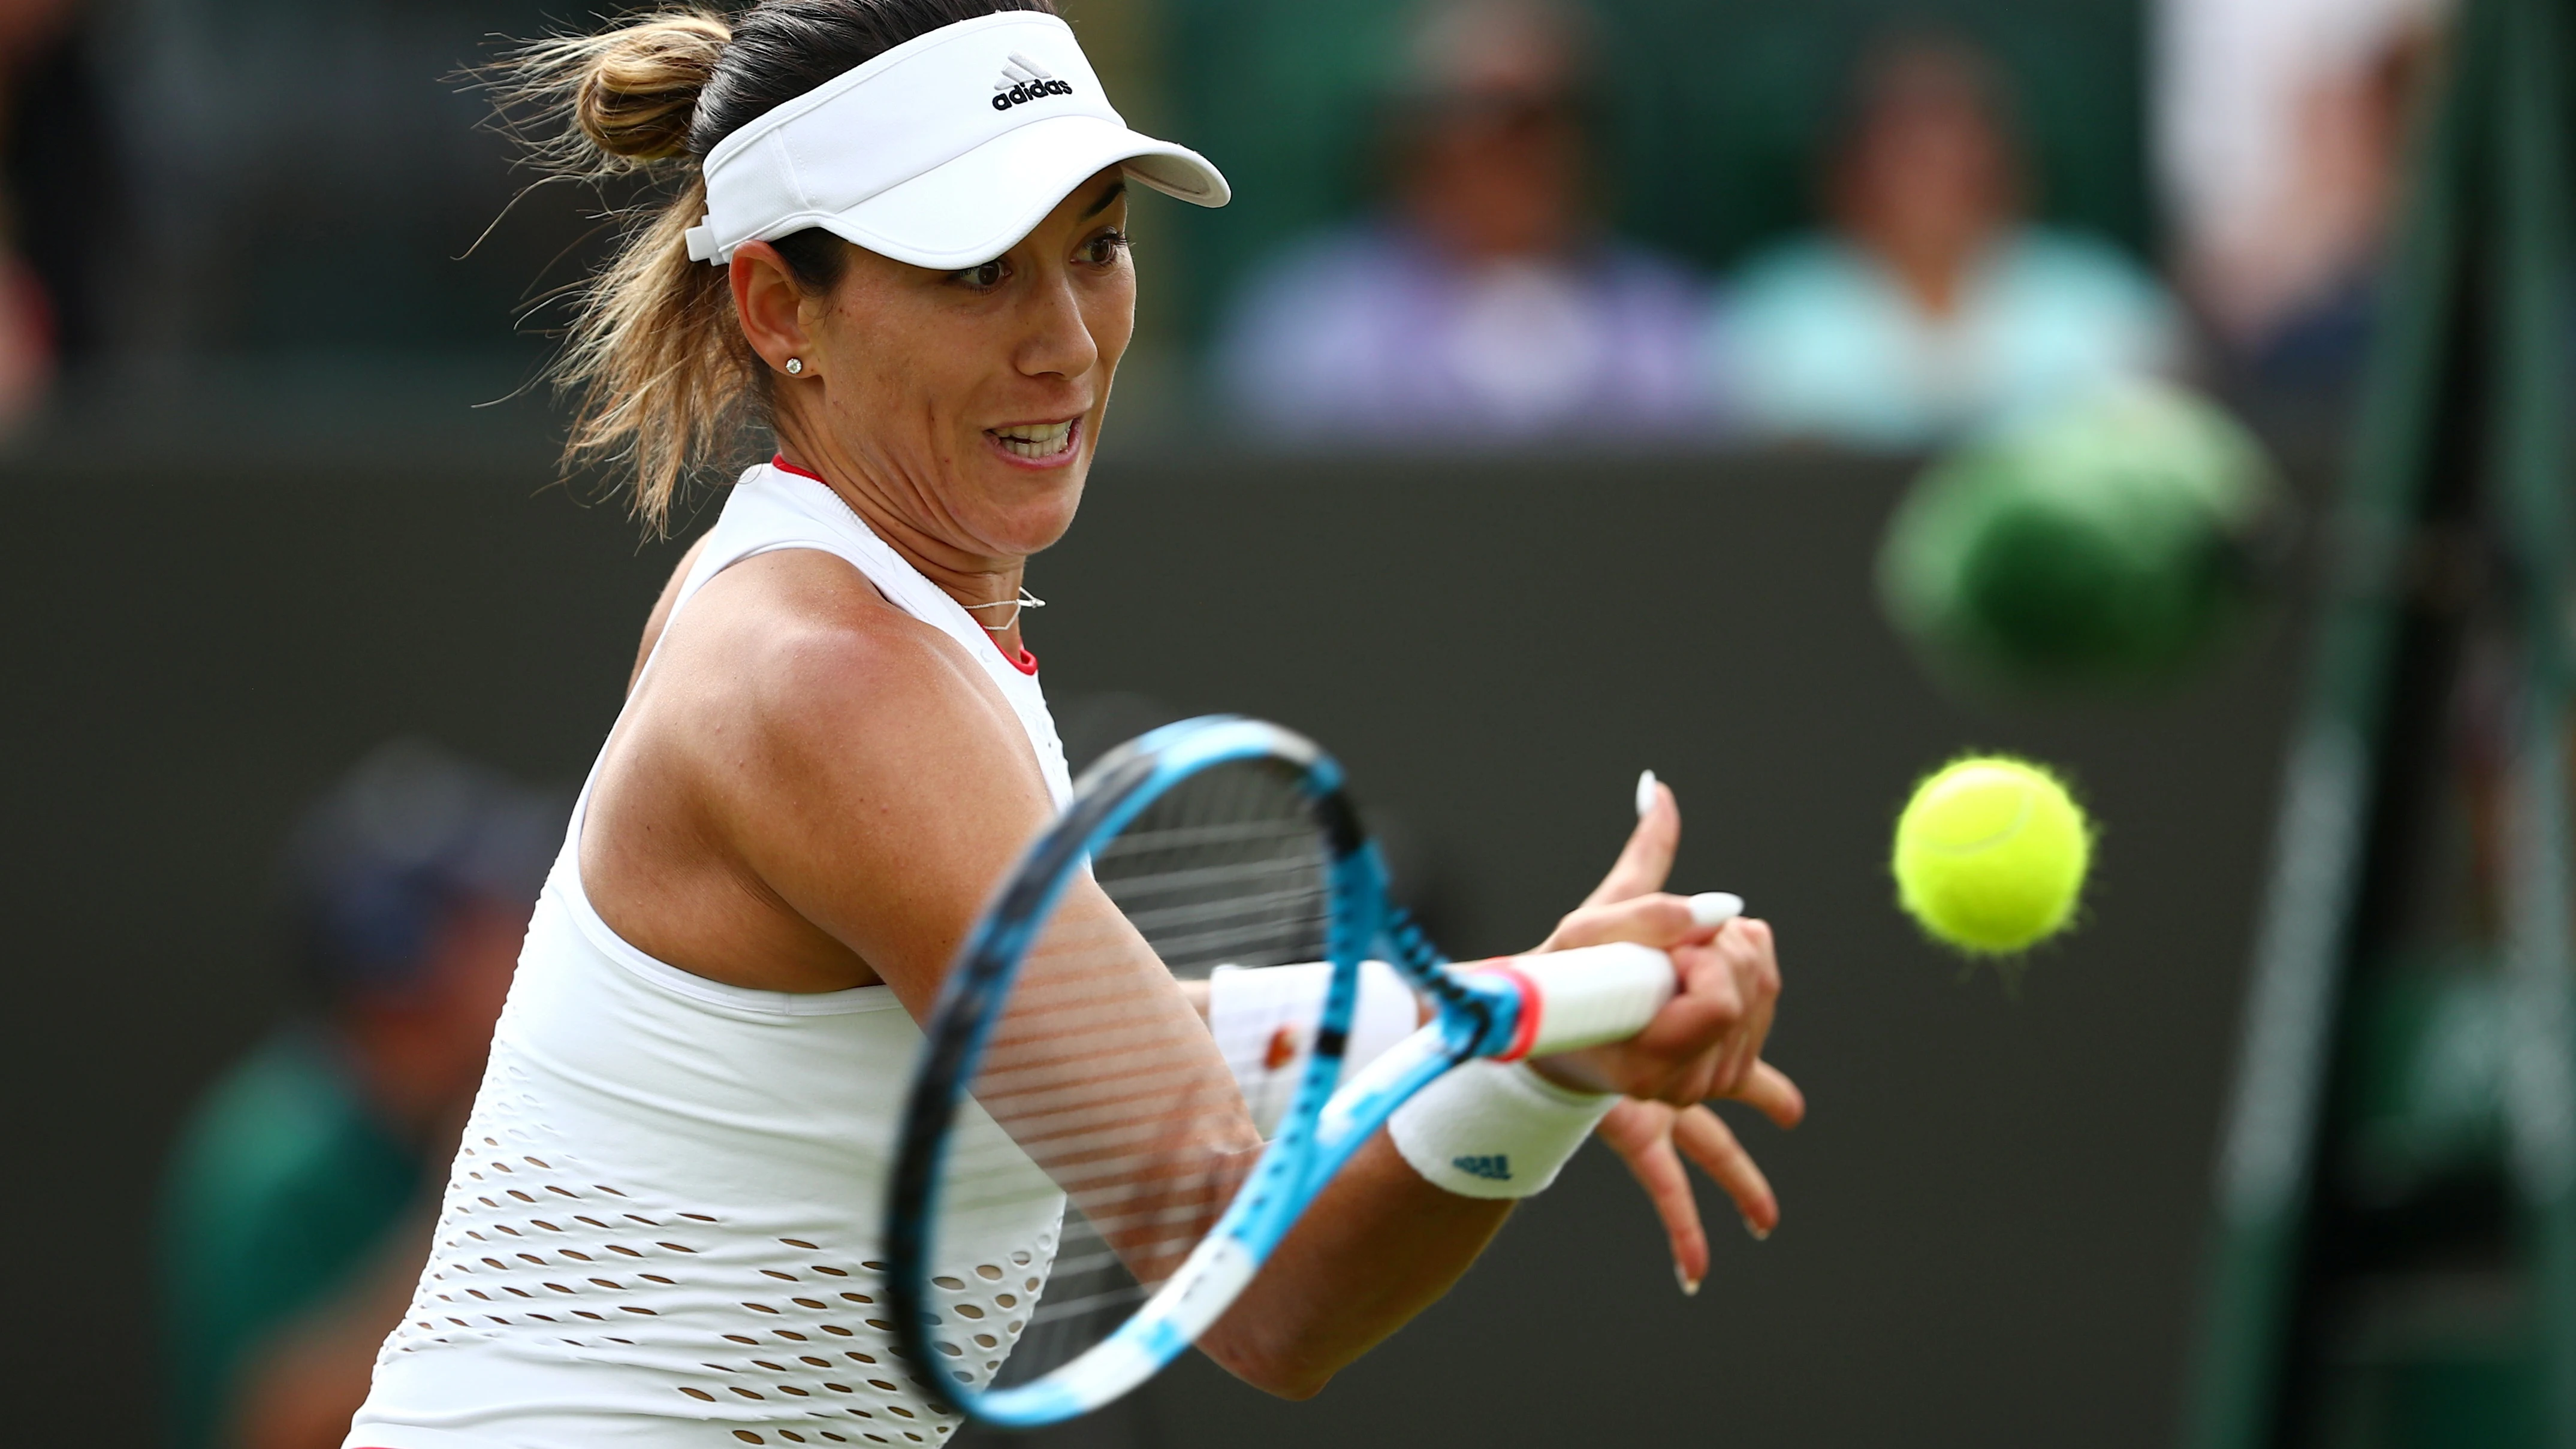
point(770, 304)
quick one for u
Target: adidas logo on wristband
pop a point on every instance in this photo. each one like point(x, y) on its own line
point(1494, 1129)
point(1024, 80)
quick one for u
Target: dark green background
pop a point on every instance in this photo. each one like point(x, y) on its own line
point(1992, 1217)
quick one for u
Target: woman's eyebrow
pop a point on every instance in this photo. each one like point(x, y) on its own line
point(1116, 190)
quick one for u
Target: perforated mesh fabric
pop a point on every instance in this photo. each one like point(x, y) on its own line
point(783, 1340)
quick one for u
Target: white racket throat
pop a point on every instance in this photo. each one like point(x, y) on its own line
point(1186, 1305)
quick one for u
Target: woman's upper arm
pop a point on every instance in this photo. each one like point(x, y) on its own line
point(872, 779)
point(881, 788)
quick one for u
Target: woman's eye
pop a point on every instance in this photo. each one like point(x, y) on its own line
point(984, 278)
point(1103, 250)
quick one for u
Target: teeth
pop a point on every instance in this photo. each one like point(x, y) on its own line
point(1036, 440)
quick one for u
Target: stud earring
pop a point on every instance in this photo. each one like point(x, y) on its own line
point(795, 367)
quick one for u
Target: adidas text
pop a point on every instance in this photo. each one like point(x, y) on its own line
point(1024, 80)
point(1028, 91)
point(1493, 1167)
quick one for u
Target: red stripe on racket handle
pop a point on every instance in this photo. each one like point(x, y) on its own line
point(1583, 997)
point(1533, 1006)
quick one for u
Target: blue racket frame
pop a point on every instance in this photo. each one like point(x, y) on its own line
point(1318, 1134)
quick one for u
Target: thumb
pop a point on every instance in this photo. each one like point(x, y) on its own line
point(1648, 856)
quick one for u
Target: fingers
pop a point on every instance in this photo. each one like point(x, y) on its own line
point(1639, 1133)
point(1681, 1052)
point(1749, 948)
point(1705, 1138)
point(1653, 1139)
point(1744, 954)
point(1708, 1040)
point(1657, 919)
point(1772, 1094)
point(1648, 857)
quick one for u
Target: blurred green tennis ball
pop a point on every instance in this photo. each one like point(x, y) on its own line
point(1991, 854)
point(2113, 540)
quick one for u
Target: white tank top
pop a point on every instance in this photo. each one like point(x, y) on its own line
point(661, 1230)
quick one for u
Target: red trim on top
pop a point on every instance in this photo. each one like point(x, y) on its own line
point(1024, 661)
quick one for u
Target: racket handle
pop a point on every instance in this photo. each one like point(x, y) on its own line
point(1584, 996)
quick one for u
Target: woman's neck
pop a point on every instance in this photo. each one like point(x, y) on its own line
point(986, 585)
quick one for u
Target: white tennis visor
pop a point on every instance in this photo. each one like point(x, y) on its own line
point(942, 152)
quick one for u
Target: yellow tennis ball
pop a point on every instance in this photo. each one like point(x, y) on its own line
point(1991, 854)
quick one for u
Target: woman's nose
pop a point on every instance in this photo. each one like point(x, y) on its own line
point(1059, 340)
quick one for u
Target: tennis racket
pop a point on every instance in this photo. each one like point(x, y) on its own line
point(1079, 1190)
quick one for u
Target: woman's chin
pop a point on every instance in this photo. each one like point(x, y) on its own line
point(1026, 520)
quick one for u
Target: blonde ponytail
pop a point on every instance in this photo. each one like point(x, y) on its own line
point(662, 382)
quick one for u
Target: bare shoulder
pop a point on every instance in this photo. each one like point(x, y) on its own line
point(660, 618)
point(795, 652)
point(811, 789)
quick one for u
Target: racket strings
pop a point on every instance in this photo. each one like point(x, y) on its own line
point(1099, 1070)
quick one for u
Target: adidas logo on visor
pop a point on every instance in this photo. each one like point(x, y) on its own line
point(1024, 80)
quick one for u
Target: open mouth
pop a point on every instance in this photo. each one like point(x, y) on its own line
point(1037, 442)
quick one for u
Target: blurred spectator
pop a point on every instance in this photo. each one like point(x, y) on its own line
point(1487, 306)
point(1933, 304)
point(38, 63)
point(301, 1193)
point(2284, 129)
point(65, 177)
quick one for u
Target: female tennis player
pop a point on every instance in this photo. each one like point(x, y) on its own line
point(895, 240)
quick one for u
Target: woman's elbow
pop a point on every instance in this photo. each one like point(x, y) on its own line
point(1280, 1374)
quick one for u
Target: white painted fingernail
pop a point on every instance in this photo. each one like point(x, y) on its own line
point(1690, 1285)
point(1760, 1235)
point(1645, 792)
point(1710, 908)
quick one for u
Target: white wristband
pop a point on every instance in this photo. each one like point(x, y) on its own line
point(1494, 1129)
point(1264, 1019)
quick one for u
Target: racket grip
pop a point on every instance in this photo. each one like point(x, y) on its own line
point(1585, 996)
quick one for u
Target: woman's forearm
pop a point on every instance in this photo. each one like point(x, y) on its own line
point(1377, 1248)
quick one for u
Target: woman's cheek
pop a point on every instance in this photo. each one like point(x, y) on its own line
point(1112, 315)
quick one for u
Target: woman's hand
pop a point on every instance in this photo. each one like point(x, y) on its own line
point(1706, 1043)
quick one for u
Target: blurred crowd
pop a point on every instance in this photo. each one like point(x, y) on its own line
point(1488, 299)
point(226, 190)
